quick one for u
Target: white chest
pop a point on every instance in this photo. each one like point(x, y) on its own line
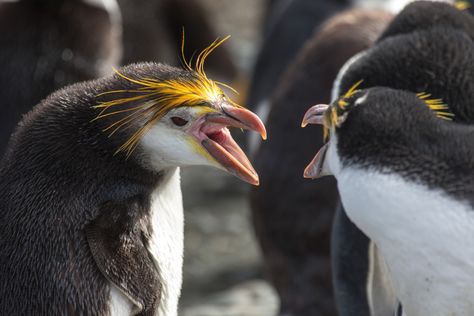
point(166, 245)
point(426, 238)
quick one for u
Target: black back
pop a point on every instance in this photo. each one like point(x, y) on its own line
point(437, 60)
point(424, 15)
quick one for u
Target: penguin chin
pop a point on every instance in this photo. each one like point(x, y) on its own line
point(317, 168)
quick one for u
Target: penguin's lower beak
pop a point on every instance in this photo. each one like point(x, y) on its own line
point(216, 139)
point(317, 168)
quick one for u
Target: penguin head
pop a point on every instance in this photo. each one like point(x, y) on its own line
point(168, 117)
point(364, 125)
point(424, 15)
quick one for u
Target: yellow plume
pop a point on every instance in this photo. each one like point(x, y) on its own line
point(331, 117)
point(437, 106)
point(352, 89)
point(157, 97)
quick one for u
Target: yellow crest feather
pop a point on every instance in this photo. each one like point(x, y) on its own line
point(331, 117)
point(437, 106)
point(160, 96)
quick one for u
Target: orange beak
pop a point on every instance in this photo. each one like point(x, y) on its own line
point(215, 137)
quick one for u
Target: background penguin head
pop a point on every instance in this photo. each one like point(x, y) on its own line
point(423, 15)
point(166, 116)
point(366, 126)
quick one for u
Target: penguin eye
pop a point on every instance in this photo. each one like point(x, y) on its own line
point(178, 121)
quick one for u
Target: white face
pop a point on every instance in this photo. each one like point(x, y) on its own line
point(198, 135)
point(169, 142)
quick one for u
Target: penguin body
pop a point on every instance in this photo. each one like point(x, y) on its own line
point(91, 226)
point(54, 272)
point(405, 179)
point(415, 56)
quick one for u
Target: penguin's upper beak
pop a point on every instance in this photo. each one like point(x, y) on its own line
point(216, 139)
point(317, 168)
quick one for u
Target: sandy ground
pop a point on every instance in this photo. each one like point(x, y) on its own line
point(223, 269)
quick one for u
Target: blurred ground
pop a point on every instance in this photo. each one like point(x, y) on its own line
point(222, 269)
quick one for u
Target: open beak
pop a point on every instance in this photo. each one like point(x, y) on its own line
point(316, 168)
point(215, 137)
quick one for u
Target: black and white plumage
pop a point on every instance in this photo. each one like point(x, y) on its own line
point(86, 229)
point(419, 57)
point(405, 179)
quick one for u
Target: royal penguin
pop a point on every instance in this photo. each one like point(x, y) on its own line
point(291, 221)
point(48, 44)
point(405, 177)
point(91, 206)
point(423, 58)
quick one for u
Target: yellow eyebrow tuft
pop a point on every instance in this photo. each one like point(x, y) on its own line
point(330, 117)
point(157, 97)
point(352, 89)
point(437, 106)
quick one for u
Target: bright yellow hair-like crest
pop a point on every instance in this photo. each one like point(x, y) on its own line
point(156, 97)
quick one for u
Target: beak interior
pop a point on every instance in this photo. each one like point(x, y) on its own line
point(316, 168)
point(219, 143)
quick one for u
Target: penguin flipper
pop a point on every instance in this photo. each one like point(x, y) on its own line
point(117, 239)
point(361, 282)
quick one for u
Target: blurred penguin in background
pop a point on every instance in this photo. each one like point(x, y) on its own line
point(47, 44)
point(289, 24)
point(152, 30)
point(292, 217)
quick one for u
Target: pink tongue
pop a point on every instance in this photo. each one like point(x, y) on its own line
point(232, 158)
point(315, 168)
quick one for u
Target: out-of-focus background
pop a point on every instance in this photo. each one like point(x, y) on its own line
point(223, 272)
